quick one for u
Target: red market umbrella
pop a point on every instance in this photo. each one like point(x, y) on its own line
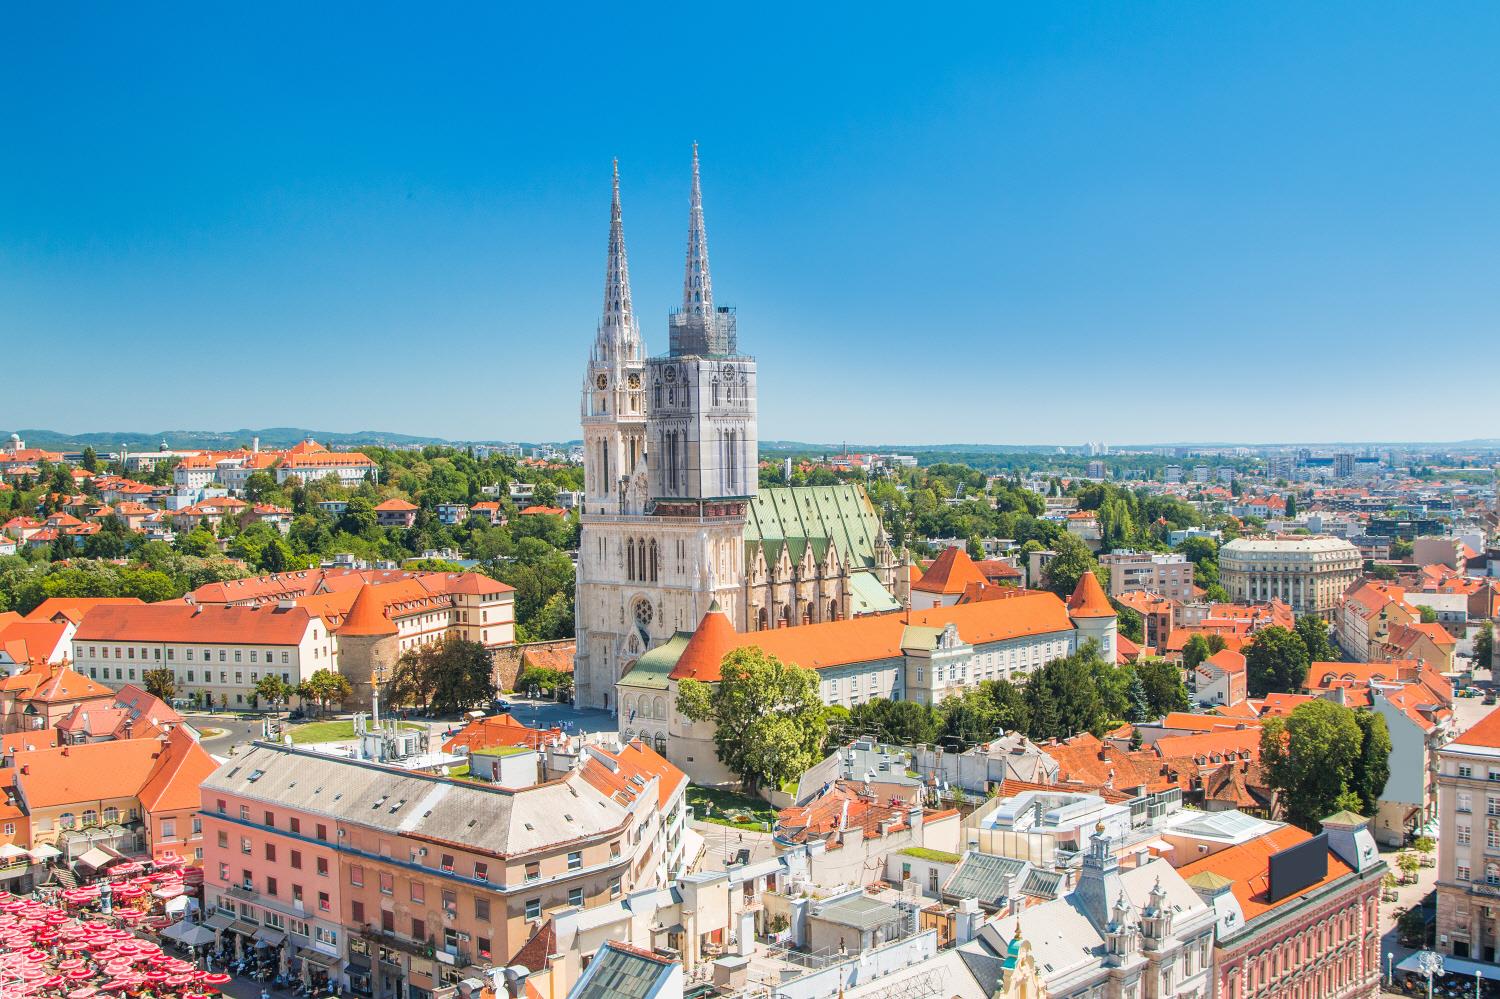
point(79, 974)
point(83, 993)
point(216, 978)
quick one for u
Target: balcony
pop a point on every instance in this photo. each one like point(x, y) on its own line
point(394, 941)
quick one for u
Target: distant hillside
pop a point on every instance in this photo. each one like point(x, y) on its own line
point(270, 437)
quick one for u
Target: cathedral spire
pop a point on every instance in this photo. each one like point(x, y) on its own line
point(697, 287)
point(617, 329)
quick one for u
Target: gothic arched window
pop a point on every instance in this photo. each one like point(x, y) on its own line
point(654, 561)
point(630, 559)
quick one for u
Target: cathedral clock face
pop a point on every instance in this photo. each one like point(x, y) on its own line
point(602, 381)
point(634, 381)
point(729, 372)
point(671, 374)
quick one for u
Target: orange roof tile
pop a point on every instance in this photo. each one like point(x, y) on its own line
point(1246, 740)
point(877, 636)
point(90, 772)
point(367, 616)
point(1088, 599)
point(949, 573)
point(1248, 866)
point(74, 608)
point(181, 767)
point(176, 622)
point(1483, 733)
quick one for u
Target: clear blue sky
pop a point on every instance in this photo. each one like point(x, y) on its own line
point(1006, 226)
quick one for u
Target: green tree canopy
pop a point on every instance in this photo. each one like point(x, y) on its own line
point(1313, 631)
point(325, 687)
point(1276, 661)
point(1164, 688)
point(1201, 646)
point(1312, 759)
point(768, 718)
point(1072, 561)
point(161, 683)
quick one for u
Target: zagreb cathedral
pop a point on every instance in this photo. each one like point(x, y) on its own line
point(672, 518)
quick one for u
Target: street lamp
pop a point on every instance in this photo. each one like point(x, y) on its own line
point(1390, 967)
point(1429, 963)
point(1478, 981)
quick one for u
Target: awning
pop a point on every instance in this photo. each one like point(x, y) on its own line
point(219, 921)
point(45, 852)
point(1453, 966)
point(94, 859)
point(320, 960)
point(243, 929)
point(189, 934)
point(269, 937)
point(10, 851)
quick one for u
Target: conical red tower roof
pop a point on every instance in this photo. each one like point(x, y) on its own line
point(367, 616)
point(1088, 599)
point(705, 651)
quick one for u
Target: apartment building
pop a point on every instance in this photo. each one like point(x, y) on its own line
point(227, 636)
point(1295, 915)
point(1468, 885)
point(215, 652)
point(138, 797)
point(1170, 575)
point(1308, 573)
point(414, 880)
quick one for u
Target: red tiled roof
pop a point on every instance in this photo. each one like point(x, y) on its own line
point(175, 622)
point(497, 732)
point(90, 772)
point(949, 573)
point(877, 636)
point(1088, 599)
point(1246, 740)
point(74, 608)
point(1248, 866)
point(367, 617)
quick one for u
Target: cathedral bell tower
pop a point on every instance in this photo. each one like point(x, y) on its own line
point(702, 432)
point(614, 397)
point(670, 465)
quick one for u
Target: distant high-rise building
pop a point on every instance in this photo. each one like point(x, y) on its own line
point(1343, 465)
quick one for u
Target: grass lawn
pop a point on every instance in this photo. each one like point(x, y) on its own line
point(329, 731)
point(730, 808)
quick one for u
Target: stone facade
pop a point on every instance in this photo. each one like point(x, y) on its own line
point(1308, 573)
point(671, 523)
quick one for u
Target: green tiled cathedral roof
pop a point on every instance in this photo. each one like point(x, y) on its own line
point(794, 517)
